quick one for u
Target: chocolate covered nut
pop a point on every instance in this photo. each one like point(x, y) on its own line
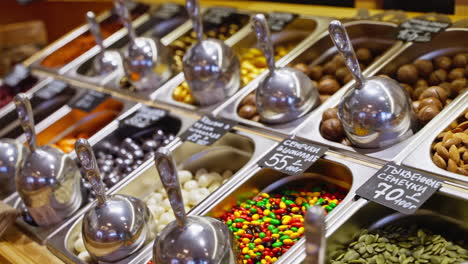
point(456, 73)
point(316, 72)
point(436, 92)
point(443, 62)
point(427, 113)
point(339, 60)
point(415, 105)
point(302, 67)
point(349, 77)
point(424, 67)
point(408, 74)
point(247, 111)
point(363, 55)
point(328, 86)
point(417, 92)
point(324, 97)
point(330, 68)
point(408, 88)
point(460, 60)
point(327, 76)
point(447, 87)
point(248, 100)
point(421, 82)
point(341, 73)
point(332, 129)
point(458, 85)
point(438, 76)
point(430, 101)
point(330, 113)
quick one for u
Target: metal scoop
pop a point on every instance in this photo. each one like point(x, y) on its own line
point(315, 235)
point(188, 239)
point(49, 182)
point(119, 225)
point(106, 61)
point(147, 62)
point(377, 113)
point(211, 68)
point(12, 156)
point(285, 94)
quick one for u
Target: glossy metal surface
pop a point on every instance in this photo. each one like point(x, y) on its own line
point(106, 61)
point(12, 156)
point(118, 225)
point(315, 235)
point(377, 112)
point(146, 61)
point(285, 93)
point(49, 182)
point(193, 239)
point(211, 68)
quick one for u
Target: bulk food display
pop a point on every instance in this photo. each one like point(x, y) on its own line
point(107, 152)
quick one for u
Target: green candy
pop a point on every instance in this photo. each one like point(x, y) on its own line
point(275, 231)
point(284, 237)
point(239, 220)
point(272, 215)
point(288, 202)
point(275, 221)
point(277, 244)
point(251, 245)
point(262, 235)
point(253, 210)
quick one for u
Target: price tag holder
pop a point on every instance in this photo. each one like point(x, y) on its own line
point(15, 76)
point(168, 11)
point(420, 30)
point(292, 156)
point(89, 101)
point(207, 130)
point(144, 117)
point(399, 188)
point(218, 16)
point(51, 90)
point(279, 20)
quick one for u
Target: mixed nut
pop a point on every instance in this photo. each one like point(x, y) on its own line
point(328, 77)
point(431, 85)
point(450, 148)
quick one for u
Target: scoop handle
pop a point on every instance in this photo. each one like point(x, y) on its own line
point(262, 30)
point(193, 9)
point(95, 30)
point(341, 40)
point(26, 118)
point(168, 173)
point(315, 235)
point(124, 15)
point(85, 155)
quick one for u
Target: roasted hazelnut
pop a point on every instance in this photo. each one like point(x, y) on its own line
point(302, 67)
point(443, 62)
point(390, 69)
point(415, 105)
point(421, 82)
point(324, 97)
point(248, 100)
point(456, 73)
point(460, 60)
point(330, 113)
point(427, 113)
point(447, 87)
point(247, 111)
point(430, 101)
point(458, 85)
point(417, 92)
point(436, 92)
point(315, 72)
point(424, 67)
point(349, 77)
point(363, 55)
point(330, 67)
point(341, 73)
point(339, 60)
point(407, 87)
point(437, 77)
point(332, 129)
point(407, 73)
point(328, 86)
point(327, 76)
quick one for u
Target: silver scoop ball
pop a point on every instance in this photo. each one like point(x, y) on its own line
point(118, 225)
point(49, 182)
point(211, 68)
point(284, 94)
point(147, 62)
point(12, 156)
point(315, 235)
point(377, 112)
point(107, 61)
point(188, 239)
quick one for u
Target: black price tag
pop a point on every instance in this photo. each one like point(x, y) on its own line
point(168, 11)
point(144, 117)
point(51, 90)
point(89, 101)
point(420, 30)
point(278, 20)
point(399, 188)
point(207, 130)
point(218, 15)
point(15, 76)
point(292, 156)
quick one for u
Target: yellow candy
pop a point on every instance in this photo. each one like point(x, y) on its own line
point(287, 241)
point(245, 250)
point(295, 209)
point(255, 217)
point(240, 232)
point(300, 231)
point(294, 235)
point(245, 240)
point(286, 219)
point(283, 227)
point(258, 241)
point(266, 195)
point(275, 235)
point(266, 212)
point(282, 205)
point(261, 247)
point(288, 232)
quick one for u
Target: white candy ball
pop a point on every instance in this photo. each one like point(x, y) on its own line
point(184, 176)
point(200, 172)
point(84, 256)
point(216, 177)
point(190, 185)
point(166, 218)
point(205, 180)
point(214, 186)
point(166, 204)
point(227, 174)
point(79, 245)
point(156, 210)
point(204, 191)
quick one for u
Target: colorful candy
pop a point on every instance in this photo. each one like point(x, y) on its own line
point(267, 226)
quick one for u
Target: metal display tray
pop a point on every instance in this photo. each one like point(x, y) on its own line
point(242, 40)
point(241, 148)
point(319, 49)
point(454, 39)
